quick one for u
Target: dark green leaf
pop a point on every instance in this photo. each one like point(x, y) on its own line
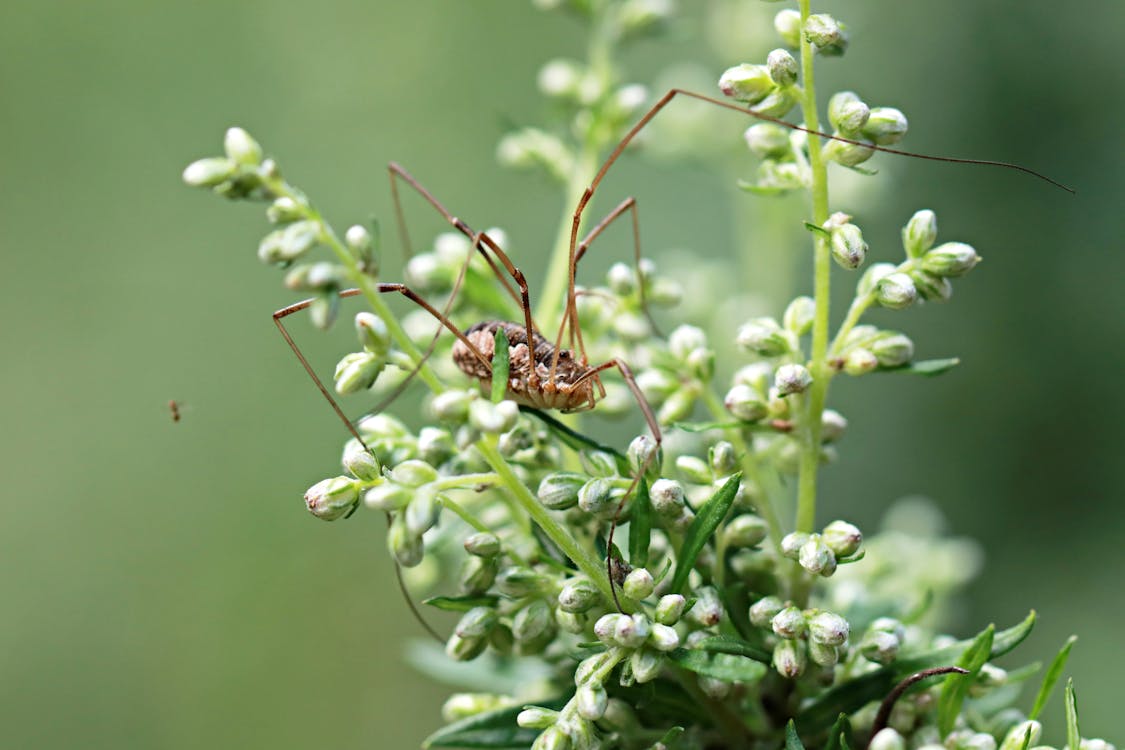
point(838, 735)
point(1054, 672)
point(671, 736)
point(792, 741)
point(706, 521)
point(1073, 736)
point(850, 696)
point(1026, 739)
point(500, 365)
point(727, 645)
point(640, 526)
point(927, 367)
point(492, 729)
point(460, 603)
point(956, 686)
point(721, 666)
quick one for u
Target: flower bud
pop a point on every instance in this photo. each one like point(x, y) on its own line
point(559, 491)
point(421, 512)
point(493, 418)
point(870, 279)
point(284, 210)
point(644, 454)
point(919, 233)
point(816, 557)
point(531, 147)
point(361, 462)
point(789, 658)
point(848, 248)
point(535, 717)
point(879, 647)
point(591, 701)
point(552, 738)
point(778, 103)
point(533, 625)
point(850, 113)
point(723, 459)
point(892, 349)
point(822, 30)
point(1095, 744)
point(887, 739)
point(764, 337)
point(789, 623)
point(745, 404)
point(290, 242)
point(829, 628)
point(639, 584)
point(317, 277)
point(764, 610)
point(373, 333)
point(842, 538)
point(694, 470)
point(823, 654)
point(791, 544)
point(470, 636)
point(452, 406)
point(241, 148)
point(620, 717)
point(387, 497)
point(664, 638)
point(747, 83)
point(560, 78)
point(605, 630)
point(767, 141)
point(463, 705)
point(896, 291)
point(782, 67)
point(406, 548)
point(208, 172)
point(708, 609)
point(886, 126)
point(678, 406)
point(517, 581)
point(478, 574)
point(686, 339)
point(792, 378)
point(1024, 734)
point(413, 473)
point(714, 688)
point(950, 259)
point(832, 426)
point(669, 609)
point(600, 498)
point(632, 631)
point(746, 530)
point(482, 544)
point(930, 287)
point(323, 309)
point(332, 498)
point(798, 317)
point(787, 23)
point(571, 622)
point(646, 664)
point(860, 361)
point(848, 154)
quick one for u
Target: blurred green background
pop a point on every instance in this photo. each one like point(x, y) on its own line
point(162, 585)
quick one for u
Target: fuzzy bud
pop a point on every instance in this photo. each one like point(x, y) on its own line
point(361, 463)
point(535, 717)
point(822, 30)
point(880, 647)
point(764, 337)
point(745, 531)
point(332, 498)
point(950, 259)
point(208, 172)
point(578, 596)
point(482, 544)
point(664, 638)
point(767, 141)
point(533, 626)
point(832, 426)
point(745, 404)
point(782, 67)
point(787, 23)
point(892, 349)
point(764, 610)
point(848, 248)
point(798, 317)
point(241, 148)
point(816, 557)
point(842, 538)
point(708, 609)
point(289, 243)
point(669, 609)
point(860, 361)
point(828, 628)
point(791, 544)
point(387, 497)
point(591, 700)
point(789, 623)
point(792, 378)
point(747, 83)
point(789, 658)
point(896, 291)
point(667, 497)
point(559, 491)
point(639, 584)
point(887, 739)
point(478, 574)
point(518, 581)
point(886, 126)
point(919, 233)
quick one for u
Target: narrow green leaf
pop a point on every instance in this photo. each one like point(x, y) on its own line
point(865, 171)
point(671, 736)
point(721, 666)
point(792, 741)
point(728, 645)
point(956, 686)
point(706, 521)
point(838, 734)
point(926, 367)
point(1073, 736)
point(706, 426)
point(1054, 672)
point(640, 526)
point(460, 603)
point(493, 729)
point(500, 365)
point(750, 187)
point(817, 229)
point(1026, 739)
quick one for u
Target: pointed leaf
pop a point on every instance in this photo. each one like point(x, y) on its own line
point(721, 666)
point(736, 646)
point(706, 521)
point(706, 426)
point(956, 686)
point(1073, 736)
point(1054, 672)
point(460, 603)
point(816, 229)
point(640, 526)
point(491, 729)
point(926, 367)
point(838, 735)
point(750, 187)
point(792, 741)
point(501, 365)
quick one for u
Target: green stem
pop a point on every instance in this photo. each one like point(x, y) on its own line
point(592, 566)
point(858, 307)
point(818, 363)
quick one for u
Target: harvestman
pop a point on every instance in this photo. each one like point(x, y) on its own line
point(545, 375)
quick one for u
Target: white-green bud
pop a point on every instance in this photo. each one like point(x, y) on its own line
point(723, 458)
point(665, 293)
point(791, 544)
point(667, 497)
point(677, 406)
point(764, 337)
point(571, 622)
point(435, 445)
point(848, 154)
point(332, 498)
point(646, 664)
point(778, 103)
point(360, 462)
point(552, 738)
point(600, 498)
point(787, 23)
point(822, 30)
point(789, 658)
point(534, 624)
point(1095, 744)
point(685, 339)
point(591, 701)
point(746, 530)
point(381, 427)
point(453, 406)
point(578, 596)
point(373, 333)
point(421, 512)
point(886, 126)
point(870, 280)
point(892, 348)
point(919, 233)
point(482, 544)
point(829, 628)
point(413, 473)
point(767, 141)
point(832, 426)
point(792, 378)
point(1024, 734)
point(530, 147)
point(747, 83)
point(535, 717)
point(208, 172)
point(848, 248)
point(789, 623)
point(284, 210)
point(950, 259)
point(478, 574)
point(879, 646)
point(887, 739)
point(708, 609)
point(967, 739)
point(664, 638)
point(639, 584)
point(470, 636)
point(605, 630)
point(559, 491)
point(816, 557)
point(694, 470)
point(323, 310)
point(843, 538)
point(782, 67)
point(518, 581)
point(798, 317)
point(632, 631)
point(823, 654)
point(241, 148)
point(493, 418)
point(289, 243)
point(896, 291)
point(670, 608)
point(644, 454)
point(621, 279)
point(745, 404)
point(463, 705)
point(764, 610)
point(406, 548)
point(560, 78)
point(930, 287)
point(860, 361)
point(850, 116)
point(700, 363)
point(387, 497)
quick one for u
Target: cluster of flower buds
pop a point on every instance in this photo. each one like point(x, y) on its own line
point(803, 635)
point(673, 383)
point(241, 173)
point(770, 89)
point(838, 543)
point(866, 348)
point(854, 120)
